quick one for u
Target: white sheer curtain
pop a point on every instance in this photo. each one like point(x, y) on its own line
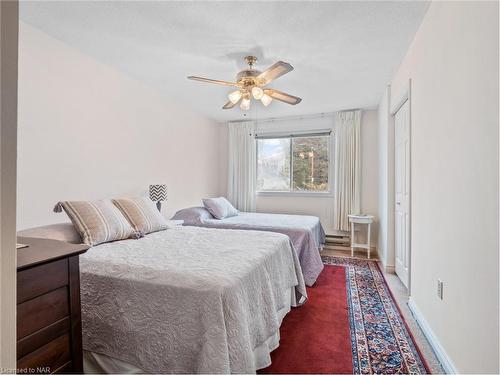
point(347, 179)
point(242, 168)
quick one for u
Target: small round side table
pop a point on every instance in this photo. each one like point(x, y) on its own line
point(361, 219)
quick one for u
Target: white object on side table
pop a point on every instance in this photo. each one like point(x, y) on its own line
point(174, 223)
point(361, 219)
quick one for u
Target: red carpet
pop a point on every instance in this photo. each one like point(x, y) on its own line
point(350, 324)
point(315, 338)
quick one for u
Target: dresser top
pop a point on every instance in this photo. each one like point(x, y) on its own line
point(41, 250)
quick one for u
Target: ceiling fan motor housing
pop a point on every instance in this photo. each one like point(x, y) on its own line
point(247, 77)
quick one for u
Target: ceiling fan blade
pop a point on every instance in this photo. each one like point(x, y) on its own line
point(273, 72)
point(230, 105)
point(215, 81)
point(283, 97)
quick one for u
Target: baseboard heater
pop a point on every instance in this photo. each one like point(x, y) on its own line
point(339, 239)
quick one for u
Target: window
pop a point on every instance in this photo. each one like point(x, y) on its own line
point(293, 164)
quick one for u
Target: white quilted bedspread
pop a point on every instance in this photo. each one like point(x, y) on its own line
point(187, 299)
point(306, 233)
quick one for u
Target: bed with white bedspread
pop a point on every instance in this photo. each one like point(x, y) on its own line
point(189, 300)
point(305, 232)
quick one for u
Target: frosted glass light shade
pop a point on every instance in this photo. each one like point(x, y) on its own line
point(257, 92)
point(266, 99)
point(234, 96)
point(245, 104)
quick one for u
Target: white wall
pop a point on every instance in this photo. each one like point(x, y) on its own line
point(223, 158)
point(369, 168)
point(323, 206)
point(87, 131)
point(453, 65)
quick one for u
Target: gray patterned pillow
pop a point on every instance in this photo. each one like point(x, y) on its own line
point(98, 221)
point(142, 214)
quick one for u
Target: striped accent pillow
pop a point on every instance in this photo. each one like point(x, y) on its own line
point(98, 221)
point(142, 214)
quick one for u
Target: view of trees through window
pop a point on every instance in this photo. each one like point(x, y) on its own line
point(310, 164)
point(293, 164)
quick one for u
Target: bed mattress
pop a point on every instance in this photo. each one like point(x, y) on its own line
point(190, 300)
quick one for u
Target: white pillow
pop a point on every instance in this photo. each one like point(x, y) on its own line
point(220, 207)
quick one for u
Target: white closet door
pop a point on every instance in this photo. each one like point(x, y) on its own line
point(402, 179)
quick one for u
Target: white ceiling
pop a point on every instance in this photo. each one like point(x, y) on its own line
point(344, 53)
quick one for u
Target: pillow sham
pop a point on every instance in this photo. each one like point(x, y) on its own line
point(61, 232)
point(220, 207)
point(193, 215)
point(98, 221)
point(142, 214)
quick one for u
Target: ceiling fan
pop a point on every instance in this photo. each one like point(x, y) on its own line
point(251, 82)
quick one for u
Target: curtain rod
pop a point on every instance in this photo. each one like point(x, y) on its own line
point(298, 117)
point(320, 133)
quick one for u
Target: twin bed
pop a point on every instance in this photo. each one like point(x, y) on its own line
point(193, 300)
point(305, 232)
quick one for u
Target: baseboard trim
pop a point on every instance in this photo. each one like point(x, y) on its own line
point(389, 269)
point(441, 354)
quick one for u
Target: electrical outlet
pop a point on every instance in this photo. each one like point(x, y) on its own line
point(440, 289)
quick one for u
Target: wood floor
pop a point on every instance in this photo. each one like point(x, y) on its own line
point(341, 251)
point(338, 243)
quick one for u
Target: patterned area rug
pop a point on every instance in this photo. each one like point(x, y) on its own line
point(380, 339)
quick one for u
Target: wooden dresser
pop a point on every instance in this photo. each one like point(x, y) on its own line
point(49, 327)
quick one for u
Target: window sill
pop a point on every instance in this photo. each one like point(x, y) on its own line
point(294, 194)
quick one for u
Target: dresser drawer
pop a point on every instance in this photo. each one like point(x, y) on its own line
point(49, 357)
point(36, 281)
point(43, 336)
point(42, 311)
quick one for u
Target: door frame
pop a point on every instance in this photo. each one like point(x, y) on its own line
point(400, 99)
point(9, 26)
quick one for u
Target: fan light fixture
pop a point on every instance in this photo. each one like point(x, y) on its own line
point(245, 104)
point(257, 92)
point(250, 83)
point(235, 96)
point(266, 100)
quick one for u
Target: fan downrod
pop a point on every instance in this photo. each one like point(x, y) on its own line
point(250, 60)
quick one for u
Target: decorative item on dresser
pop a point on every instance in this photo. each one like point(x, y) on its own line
point(49, 327)
point(158, 193)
